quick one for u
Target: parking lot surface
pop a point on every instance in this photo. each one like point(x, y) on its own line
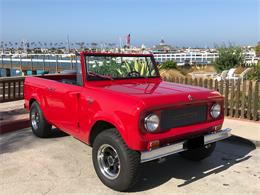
point(63, 165)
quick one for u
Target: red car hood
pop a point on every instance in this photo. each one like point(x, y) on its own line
point(161, 92)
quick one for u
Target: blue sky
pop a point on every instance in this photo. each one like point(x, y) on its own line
point(179, 22)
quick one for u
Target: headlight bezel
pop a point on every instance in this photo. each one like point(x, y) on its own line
point(215, 108)
point(152, 118)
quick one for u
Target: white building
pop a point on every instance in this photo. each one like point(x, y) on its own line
point(190, 56)
point(250, 57)
point(199, 56)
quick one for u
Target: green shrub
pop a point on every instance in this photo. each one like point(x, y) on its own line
point(257, 49)
point(255, 72)
point(169, 64)
point(229, 57)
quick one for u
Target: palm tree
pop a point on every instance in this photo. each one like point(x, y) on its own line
point(94, 44)
point(82, 45)
point(27, 45)
point(2, 45)
point(21, 44)
point(11, 44)
point(16, 45)
point(32, 44)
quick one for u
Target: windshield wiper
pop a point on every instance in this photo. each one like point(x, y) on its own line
point(100, 76)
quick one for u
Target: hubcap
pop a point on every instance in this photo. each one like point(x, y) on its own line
point(35, 119)
point(108, 161)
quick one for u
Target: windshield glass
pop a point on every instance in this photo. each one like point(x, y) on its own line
point(119, 67)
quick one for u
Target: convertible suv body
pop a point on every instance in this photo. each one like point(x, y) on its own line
point(118, 104)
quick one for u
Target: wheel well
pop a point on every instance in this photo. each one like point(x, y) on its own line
point(31, 101)
point(98, 128)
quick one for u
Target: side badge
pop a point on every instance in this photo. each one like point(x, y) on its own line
point(190, 97)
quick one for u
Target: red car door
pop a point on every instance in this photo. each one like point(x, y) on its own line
point(64, 102)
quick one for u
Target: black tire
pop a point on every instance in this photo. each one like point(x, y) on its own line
point(129, 161)
point(40, 127)
point(199, 153)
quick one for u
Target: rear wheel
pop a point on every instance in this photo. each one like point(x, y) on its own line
point(115, 164)
point(40, 127)
point(200, 153)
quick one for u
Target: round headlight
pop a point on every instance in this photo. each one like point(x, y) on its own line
point(215, 110)
point(151, 122)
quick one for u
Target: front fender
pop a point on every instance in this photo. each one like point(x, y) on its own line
point(114, 120)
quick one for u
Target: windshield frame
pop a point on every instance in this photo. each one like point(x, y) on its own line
point(104, 78)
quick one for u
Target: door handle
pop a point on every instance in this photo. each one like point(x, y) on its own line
point(73, 94)
point(89, 100)
point(51, 89)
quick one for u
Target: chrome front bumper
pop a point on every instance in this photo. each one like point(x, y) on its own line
point(180, 146)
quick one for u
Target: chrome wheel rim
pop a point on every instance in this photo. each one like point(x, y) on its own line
point(35, 119)
point(108, 161)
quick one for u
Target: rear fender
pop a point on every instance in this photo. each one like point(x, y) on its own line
point(42, 103)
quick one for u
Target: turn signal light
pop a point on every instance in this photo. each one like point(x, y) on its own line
point(153, 144)
point(217, 128)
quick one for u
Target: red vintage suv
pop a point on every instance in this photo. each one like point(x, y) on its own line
point(118, 104)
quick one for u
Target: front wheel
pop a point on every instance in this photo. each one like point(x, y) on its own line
point(198, 154)
point(115, 164)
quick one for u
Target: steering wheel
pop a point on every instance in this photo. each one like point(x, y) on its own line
point(133, 74)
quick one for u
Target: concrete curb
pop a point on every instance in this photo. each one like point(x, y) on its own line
point(14, 126)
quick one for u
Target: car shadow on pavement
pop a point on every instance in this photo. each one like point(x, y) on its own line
point(226, 154)
point(57, 133)
point(24, 139)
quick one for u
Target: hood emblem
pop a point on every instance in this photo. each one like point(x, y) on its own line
point(190, 97)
